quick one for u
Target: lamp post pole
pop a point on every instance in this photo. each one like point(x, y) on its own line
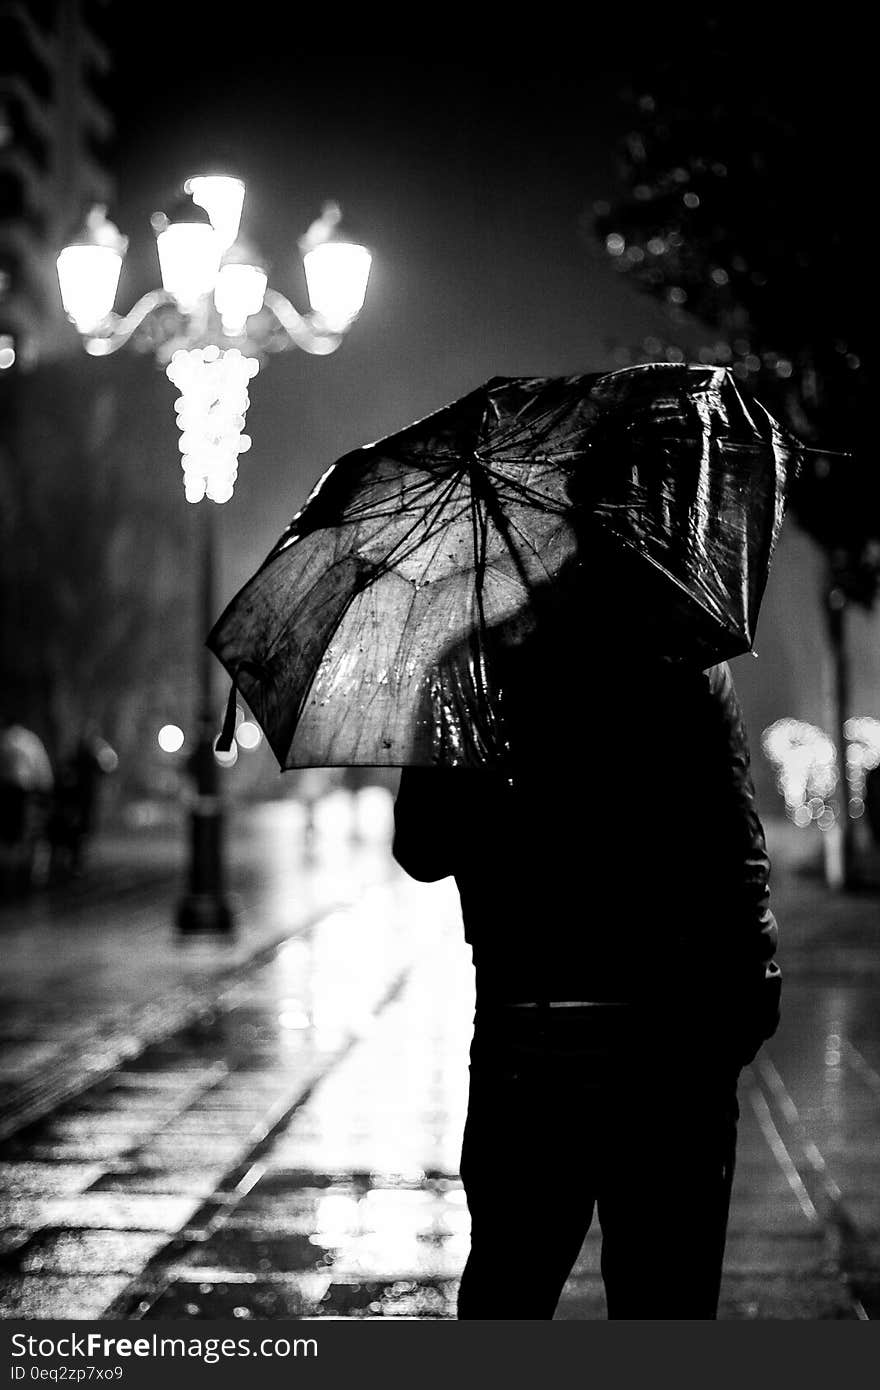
point(205, 906)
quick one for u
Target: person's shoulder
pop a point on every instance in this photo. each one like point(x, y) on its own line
point(719, 677)
point(722, 690)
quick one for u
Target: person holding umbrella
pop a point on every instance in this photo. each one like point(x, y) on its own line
point(623, 942)
point(512, 600)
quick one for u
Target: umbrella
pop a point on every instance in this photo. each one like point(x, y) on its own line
point(369, 635)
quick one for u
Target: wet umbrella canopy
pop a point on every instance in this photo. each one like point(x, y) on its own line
point(646, 501)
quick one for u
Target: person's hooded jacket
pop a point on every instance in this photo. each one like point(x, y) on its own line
point(618, 855)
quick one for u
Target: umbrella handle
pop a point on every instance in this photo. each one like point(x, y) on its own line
point(227, 733)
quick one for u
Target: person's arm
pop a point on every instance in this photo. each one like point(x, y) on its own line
point(426, 812)
point(445, 817)
point(741, 928)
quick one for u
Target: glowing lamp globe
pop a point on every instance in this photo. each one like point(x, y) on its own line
point(239, 292)
point(88, 277)
point(336, 275)
point(189, 259)
point(223, 199)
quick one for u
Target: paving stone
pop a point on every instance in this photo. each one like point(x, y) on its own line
point(403, 1298)
point(112, 1211)
point(160, 1085)
point(147, 1161)
point(148, 1106)
point(381, 1257)
point(80, 1128)
point(239, 1250)
point(156, 1066)
point(281, 1183)
point(29, 1212)
point(12, 1238)
point(768, 1213)
point(47, 1179)
point(23, 1058)
point(90, 1252)
point(247, 1299)
point(216, 1123)
point(223, 1103)
point(189, 1150)
point(59, 1296)
point(91, 1150)
point(864, 1209)
point(185, 1182)
point(782, 1253)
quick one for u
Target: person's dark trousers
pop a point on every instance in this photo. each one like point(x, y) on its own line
point(576, 1110)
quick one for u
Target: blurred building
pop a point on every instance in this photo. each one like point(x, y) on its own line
point(55, 133)
point(90, 533)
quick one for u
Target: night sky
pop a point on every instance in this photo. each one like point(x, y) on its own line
point(472, 175)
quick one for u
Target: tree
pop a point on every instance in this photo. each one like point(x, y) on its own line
point(745, 178)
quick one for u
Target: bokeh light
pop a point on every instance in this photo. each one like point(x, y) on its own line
point(807, 770)
point(211, 414)
point(806, 763)
point(248, 735)
point(170, 738)
point(228, 759)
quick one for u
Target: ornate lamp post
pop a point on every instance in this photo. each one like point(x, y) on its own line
point(210, 326)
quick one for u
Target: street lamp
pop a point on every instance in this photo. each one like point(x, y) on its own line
point(210, 327)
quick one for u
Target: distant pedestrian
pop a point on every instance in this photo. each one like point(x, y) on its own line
point(26, 784)
point(75, 805)
point(623, 946)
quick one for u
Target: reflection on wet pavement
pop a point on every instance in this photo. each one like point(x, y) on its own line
point(293, 1150)
point(85, 984)
point(356, 1208)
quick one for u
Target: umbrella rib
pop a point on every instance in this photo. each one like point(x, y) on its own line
point(368, 510)
point(553, 456)
point(532, 495)
point(397, 553)
point(529, 545)
point(479, 532)
point(480, 485)
point(550, 413)
point(527, 493)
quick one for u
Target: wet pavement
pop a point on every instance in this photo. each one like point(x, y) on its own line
point(272, 1128)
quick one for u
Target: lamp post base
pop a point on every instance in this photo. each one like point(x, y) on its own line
point(205, 914)
point(205, 907)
